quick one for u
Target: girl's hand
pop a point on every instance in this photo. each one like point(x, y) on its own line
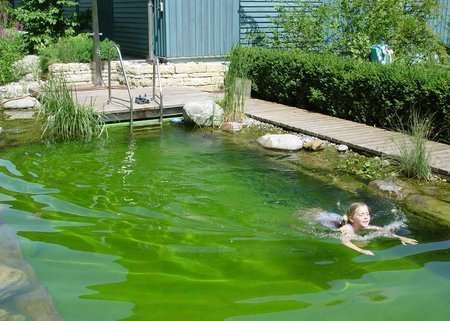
point(367, 252)
point(407, 240)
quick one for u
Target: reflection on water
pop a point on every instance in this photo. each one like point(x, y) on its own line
point(365, 297)
point(189, 226)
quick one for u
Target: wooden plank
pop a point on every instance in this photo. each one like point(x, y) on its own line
point(357, 136)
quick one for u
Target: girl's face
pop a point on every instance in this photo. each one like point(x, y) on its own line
point(361, 217)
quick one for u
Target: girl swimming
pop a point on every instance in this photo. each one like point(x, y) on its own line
point(358, 219)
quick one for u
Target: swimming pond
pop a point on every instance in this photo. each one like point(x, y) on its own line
point(188, 225)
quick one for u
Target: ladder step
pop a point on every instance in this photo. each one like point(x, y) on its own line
point(146, 127)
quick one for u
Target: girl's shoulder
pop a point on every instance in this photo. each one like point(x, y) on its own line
point(346, 228)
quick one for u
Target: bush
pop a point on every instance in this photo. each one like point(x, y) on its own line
point(73, 49)
point(63, 118)
point(45, 20)
point(11, 50)
point(360, 91)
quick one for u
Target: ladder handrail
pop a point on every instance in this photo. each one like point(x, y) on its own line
point(124, 73)
point(161, 109)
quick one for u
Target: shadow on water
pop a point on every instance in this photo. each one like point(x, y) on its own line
point(187, 225)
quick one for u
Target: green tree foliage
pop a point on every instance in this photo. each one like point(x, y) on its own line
point(350, 27)
point(45, 20)
point(11, 44)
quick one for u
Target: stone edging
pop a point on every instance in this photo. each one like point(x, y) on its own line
point(202, 75)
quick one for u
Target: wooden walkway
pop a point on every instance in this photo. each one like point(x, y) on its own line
point(357, 136)
point(174, 100)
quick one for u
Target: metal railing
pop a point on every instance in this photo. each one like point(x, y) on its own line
point(158, 98)
point(124, 73)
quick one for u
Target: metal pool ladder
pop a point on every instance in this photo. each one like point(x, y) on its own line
point(124, 73)
point(157, 96)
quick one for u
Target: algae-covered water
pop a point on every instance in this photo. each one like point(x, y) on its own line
point(186, 225)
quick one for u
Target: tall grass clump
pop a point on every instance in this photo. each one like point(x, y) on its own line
point(64, 119)
point(414, 158)
point(237, 86)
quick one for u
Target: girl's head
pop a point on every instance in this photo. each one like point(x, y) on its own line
point(358, 215)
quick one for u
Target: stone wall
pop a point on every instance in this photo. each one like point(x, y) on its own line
point(202, 75)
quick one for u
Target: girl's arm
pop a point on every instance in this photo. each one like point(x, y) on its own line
point(356, 248)
point(404, 240)
point(346, 236)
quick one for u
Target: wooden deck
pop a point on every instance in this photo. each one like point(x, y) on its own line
point(357, 136)
point(174, 100)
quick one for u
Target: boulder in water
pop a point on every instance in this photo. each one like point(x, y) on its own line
point(6, 316)
point(388, 188)
point(12, 281)
point(204, 114)
point(38, 305)
point(281, 141)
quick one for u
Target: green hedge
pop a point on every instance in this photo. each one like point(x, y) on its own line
point(360, 91)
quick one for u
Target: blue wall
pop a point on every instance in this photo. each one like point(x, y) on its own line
point(441, 26)
point(201, 28)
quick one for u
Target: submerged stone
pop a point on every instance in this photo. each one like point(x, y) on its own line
point(430, 206)
point(12, 281)
point(6, 316)
point(38, 305)
point(388, 188)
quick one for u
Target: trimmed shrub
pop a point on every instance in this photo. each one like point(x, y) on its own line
point(378, 95)
point(73, 49)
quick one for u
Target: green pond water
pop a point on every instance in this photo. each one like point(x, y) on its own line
point(187, 225)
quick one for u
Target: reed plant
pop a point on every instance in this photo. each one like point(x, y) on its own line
point(414, 158)
point(63, 118)
point(237, 86)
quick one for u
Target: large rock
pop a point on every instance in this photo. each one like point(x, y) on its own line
point(388, 188)
point(6, 316)
point(281, 142)
point(12, 281)
point(429, 208)
point(21, 103)
point(206, 113)
point(38, 305)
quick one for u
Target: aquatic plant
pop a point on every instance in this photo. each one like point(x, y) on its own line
point(367, 168)
point(63, 118)
point(414, 158)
